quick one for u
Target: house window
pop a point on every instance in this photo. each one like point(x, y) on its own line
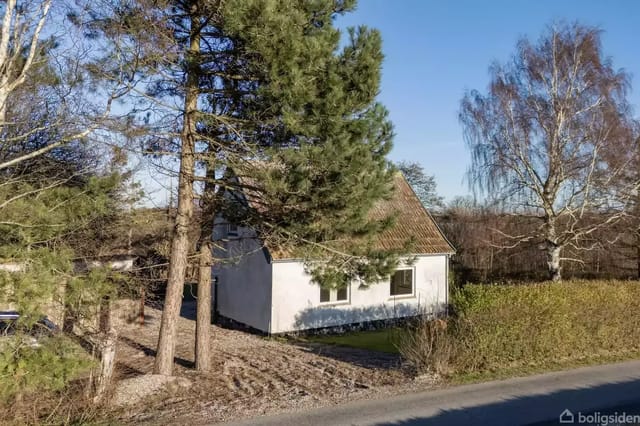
point(402, 282)
point(232, 230)
point(334, 295)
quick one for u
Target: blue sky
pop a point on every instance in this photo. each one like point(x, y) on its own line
point(436, 50)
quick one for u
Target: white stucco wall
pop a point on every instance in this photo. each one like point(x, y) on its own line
point(296, 300)
point(244, 283)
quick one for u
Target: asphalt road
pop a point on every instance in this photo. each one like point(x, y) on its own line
point(589, 393)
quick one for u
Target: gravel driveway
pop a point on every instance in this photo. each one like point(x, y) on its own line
point(251, 375)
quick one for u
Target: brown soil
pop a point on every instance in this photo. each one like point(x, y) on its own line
point(250, 375)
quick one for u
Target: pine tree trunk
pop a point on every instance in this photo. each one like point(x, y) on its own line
point(203, 315)
point(180, 242)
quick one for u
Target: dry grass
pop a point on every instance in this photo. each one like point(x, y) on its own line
point(66, 407)
point(427, 345)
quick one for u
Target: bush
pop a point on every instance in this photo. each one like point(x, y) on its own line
point(505, 326)
point(49, 365)
point(426, 344)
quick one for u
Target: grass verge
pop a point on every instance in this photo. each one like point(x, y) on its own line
point(384, 340)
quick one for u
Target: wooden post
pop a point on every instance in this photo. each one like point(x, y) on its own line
point(107, 363)
point(108, 339)
point(141, 309)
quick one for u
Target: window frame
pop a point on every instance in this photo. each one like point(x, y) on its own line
point(230, 232)
point(333, 295)
point(413, 284)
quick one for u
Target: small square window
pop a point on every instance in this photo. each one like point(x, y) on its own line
point(232, 230)
point(402, 282)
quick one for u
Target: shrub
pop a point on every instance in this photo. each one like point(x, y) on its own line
point(49, 365)
point(426, 345)
point(503, 326)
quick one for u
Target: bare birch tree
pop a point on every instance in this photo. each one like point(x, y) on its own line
point(22, 26)
point(45, 69)
point(553, 137)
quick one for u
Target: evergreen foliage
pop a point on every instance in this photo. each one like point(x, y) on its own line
point(324, 135)
point(48, 366)
point(43, 232)
point(285, 102)
point(52, 207)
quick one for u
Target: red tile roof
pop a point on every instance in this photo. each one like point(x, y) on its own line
point(412, 221)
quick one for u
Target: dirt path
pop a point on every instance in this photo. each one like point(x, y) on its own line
point(251, 375)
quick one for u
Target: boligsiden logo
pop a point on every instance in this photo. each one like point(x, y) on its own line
point(566, 416)
point(598, 418)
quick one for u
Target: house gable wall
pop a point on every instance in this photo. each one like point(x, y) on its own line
point(244, 280)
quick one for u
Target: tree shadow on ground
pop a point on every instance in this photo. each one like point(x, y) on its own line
point(361, 357)
point(341, 319)
point(125, 371)
point(540, 410)
point(151, 352)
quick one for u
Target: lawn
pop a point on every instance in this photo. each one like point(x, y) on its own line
point(376, 340)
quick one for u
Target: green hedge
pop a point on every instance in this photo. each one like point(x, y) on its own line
point(532, 324)
point(504, 326)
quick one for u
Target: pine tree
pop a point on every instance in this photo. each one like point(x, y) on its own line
point(265, 93)
point(40, 229)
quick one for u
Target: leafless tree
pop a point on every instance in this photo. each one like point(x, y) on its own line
point(552, 139)
point(48, 95)
point(21, 28)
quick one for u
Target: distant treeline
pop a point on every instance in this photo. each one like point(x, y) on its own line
point(487, 250)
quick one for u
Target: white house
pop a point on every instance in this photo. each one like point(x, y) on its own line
point(269, 290)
